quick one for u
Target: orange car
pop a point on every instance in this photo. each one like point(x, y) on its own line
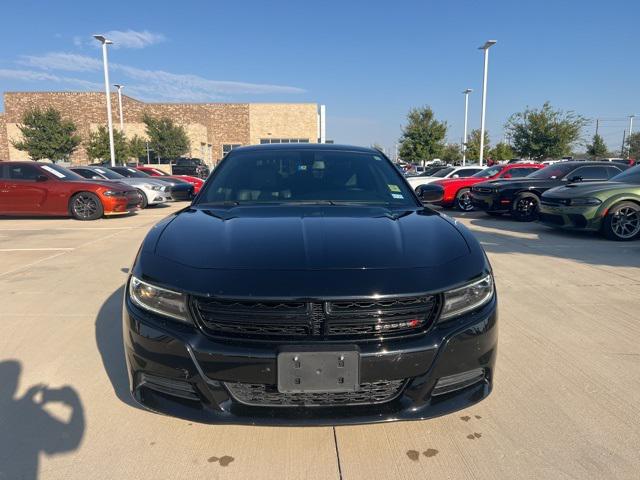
point(45, 189)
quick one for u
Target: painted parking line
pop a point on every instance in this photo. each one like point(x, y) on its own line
point(61, 249)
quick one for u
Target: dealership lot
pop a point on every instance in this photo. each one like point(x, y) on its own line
point(565, 403)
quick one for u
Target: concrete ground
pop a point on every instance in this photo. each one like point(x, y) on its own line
point(566, 402)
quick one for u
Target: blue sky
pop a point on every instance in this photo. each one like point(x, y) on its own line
point(368, 61)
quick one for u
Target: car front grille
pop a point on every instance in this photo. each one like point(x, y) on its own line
point(482, 190)
point(551, 218)
point(259, 394)
point(133, 199)
point(359, 319)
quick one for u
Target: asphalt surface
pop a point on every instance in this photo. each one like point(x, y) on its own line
point(566, 402)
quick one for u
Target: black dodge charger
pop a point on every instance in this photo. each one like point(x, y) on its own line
point(308, 284)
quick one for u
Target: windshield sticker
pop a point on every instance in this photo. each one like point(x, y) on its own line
point(376, 157)
point(54, 171)
point(393, 188)
point(397, 195)
point(99, 170)
point(302, 168)
point(131, 170)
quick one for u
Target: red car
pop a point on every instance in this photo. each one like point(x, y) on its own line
point(456, 190)
point(45, 189)
point(156, 172)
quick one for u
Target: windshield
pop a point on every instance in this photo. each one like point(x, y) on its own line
point(61, 173)
point(444, 172)
point(110, 174)
point(130, 172)
point(307, 176)
point(488, 172)
point(553, 171)
point(629, 176)
point(159, 172)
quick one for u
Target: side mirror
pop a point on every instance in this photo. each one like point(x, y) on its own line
point(96, 177)
point(506, 175)
point(575, 178)
point(455, 176)
point(42, 178)
point(430, 193)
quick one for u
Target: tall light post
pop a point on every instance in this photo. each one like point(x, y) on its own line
point(466, 92)
point(120, 87)
point(488, 44)
point(105, 62)
point(631, 117)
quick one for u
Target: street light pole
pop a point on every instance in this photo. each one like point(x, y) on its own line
point(105, 62)
point(630, 132)
point(120, 87)
point(488, 44)
point(466, 112)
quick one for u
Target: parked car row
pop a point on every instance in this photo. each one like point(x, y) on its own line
point(581, 195)
point(85, 192)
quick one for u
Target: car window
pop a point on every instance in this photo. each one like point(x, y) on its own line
point(466, 172)
point(520, 172)
point(612, 172)
point(292, 176)
point(444, 172)
point(23, 172)
point(85, 172)
point(629, 176)
point(488, 172)
point(590, 173)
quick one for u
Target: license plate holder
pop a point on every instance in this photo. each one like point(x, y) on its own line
point(302, 370)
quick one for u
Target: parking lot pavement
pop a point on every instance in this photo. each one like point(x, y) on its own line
point(565, 403)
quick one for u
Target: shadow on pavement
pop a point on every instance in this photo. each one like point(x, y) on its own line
point(506, 235)
point(109, 341)
point(27, 429)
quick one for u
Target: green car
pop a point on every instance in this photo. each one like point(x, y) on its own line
point(612, 207)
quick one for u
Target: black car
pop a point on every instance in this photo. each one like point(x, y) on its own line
point(194, 167)
point(308, 284)
point(521, 197)
point(181, 190)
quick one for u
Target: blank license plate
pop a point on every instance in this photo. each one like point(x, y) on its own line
point(318, 371)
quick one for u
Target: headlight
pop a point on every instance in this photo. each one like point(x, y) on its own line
point(114, 193)
point(152, 187)
point(159, 300)
point(467, 298)
point(585, 201)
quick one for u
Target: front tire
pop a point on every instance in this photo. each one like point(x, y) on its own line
point(86, 206)
point(525, 207)
point(144, 203)
point(622, 222)
point(463, 200)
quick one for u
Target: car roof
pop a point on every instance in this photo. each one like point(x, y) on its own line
point(582, 163)
point(306, 146)
point(521, 165)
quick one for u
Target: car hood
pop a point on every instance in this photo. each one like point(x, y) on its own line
point(454, 182)
point(514, 183)
point(103, 183)
point(310, 238)
point(133, 181)
point(587, 189)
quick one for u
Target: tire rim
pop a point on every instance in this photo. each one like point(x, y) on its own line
point(526, 207)
point(464, 201)
point(85, 206)
point(625, 223)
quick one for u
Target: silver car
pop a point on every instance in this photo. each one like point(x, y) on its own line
point(152, 192)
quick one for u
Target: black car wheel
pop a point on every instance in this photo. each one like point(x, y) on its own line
point(463, 200)
point(144, 203)
point(525, 207)
point(622, 222)
point(86, 206)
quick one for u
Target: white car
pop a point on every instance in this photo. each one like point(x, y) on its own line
point(152, 192)
point(448, 172)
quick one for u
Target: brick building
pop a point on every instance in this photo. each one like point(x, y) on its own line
point(213, 128)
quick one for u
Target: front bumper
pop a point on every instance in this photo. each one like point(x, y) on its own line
point(491, 202)
point(182, 192)
point(587, 218)
point(180, 353)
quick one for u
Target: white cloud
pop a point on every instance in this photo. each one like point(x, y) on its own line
point(35, 76)
point(133, 38)
point(155, 84)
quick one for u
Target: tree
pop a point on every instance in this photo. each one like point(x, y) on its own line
point(45, 135)
point(451, 153)
point(473, 145)
point(423, 136)
point(167, 139)
point(137, 147)
point(633, 145)
point(98, 145)
point(545, 132)
point(597, 149)
point(501, 152)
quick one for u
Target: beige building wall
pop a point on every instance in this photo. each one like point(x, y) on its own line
point(277, 120)
point(14, 135)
